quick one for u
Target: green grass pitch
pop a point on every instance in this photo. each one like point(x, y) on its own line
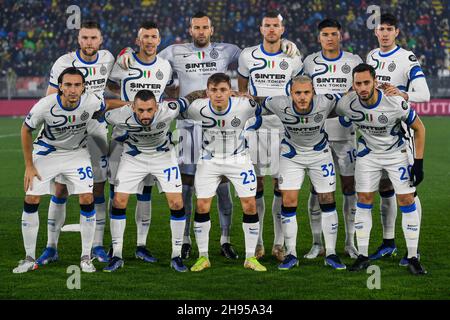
point(225, 279)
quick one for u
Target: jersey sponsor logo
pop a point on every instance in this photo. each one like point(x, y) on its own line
point(93, 82)
point(235, 122)
point(84, 116)
point(134, 85)
point(391, 66)
point(159, 75)
point(346, 68)
point(412, 58)
point(383, 119)
point(270, 76)
point(214, 54)
point(284, 65)
point(331, 80)
point(318, 118)
point(384, 78)
point(200, 65)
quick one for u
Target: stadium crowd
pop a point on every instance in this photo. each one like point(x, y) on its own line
point(34, 33)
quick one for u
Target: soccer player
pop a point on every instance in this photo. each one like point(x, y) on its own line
point(330, 70)
point(224, 154)
point(194, 63)
point(382, 146)
point(400, 73)
point(95, 65)
point(149, 72)
point(147, 149)
point(305, 148)
point(264, 70)
point(59, 150)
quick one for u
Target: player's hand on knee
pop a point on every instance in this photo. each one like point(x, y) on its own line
point(30, 173)
point(417, 172)
point(125, 58)
point(289, 48)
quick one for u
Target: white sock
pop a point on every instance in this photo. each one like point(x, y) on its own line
point(418, 207)
point(251, 232)
point(117, 226)
point(56, 218)
point(100, 217)
point(260, 209)
point(411, 228)
point(143, 216)
point(349, 210)
point(276, 215)
point(87, 230)
point(290, 229)
point(388, 210)
point(330, 230)
point(177, 229)
point(201, 231)
point(30, 228)
point(187, 201)
point(363, 225)
point(315, 218)
point(225, 209)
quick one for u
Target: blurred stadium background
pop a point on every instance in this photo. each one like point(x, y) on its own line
point(33, 34)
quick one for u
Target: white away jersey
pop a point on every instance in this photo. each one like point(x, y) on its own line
point(154, 76)
point(146, 139)
point(63, 129)
point(398, 67)
point(269, 74)
point(304, 132)
point(223, 132)
point(96, 72)
point(194, 65)
point(380, 124)
point(333, 76)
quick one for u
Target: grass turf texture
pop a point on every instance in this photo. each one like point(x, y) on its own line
point(225, 279)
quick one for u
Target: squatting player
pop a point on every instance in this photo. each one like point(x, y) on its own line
point(59, 150)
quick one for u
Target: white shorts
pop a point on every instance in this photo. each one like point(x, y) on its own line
point(133, 171)
point(344, 156)
point(264, 147)
point(369, 170)
point(73, 168)
point(238, 169)
point(97, 143)
point(320, 168)
point(114, 157)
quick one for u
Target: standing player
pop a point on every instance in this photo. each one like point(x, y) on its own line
point(264, 70)
point(382, 146)
point(330, 70)
point(95, 64)
point(59, 150)
point(224, 154)
point(149, 72)
point(304, 148)
point(194, 63)
point(401, 74)
point(147, 150)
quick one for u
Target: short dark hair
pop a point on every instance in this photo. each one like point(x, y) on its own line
point(198, 15)
point(329, 23)
point(148, 25)
point(389, 19)
point(145, 95)
point(272, 14)
point(70, 70)
point(91, 24)
point(217, 78)
point(363, 67)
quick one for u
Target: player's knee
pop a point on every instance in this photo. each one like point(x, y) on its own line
point(248, 205)
point(61, 190)
point(86, 198)
point(365, 197)
point(176, 204)
point(187, 179)
point(203, 205)
point(120, 200)
point(386, 185)
point(289, 201)
point(326, 197)
point(405, 199)
point(32, 199)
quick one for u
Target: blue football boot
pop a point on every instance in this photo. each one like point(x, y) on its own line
point(49, 255)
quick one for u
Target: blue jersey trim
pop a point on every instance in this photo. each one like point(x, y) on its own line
point(46, 145)
point(344, 123)
point(292, 153)
point(58, 98)
point(268, 53)
point(218, 113)
point(389, 53)
point(53, 85)
point(143, 63)
point(83, 61)
point(335, 59)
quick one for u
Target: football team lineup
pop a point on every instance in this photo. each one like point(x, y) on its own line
point(330, 116)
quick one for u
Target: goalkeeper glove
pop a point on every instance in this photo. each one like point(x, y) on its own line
point(289, 48)
point(417, 172)
point(125, 58)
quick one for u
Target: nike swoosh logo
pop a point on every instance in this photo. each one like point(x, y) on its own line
point(187, 55)
point(177, 185)
point(331, 183)
point(252, 229)
point(131, 74)
point(56, 122)
point(91, 185)
point(251, 189)
point(255, 64)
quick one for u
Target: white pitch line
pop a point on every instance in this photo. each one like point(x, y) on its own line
point(9, 135)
